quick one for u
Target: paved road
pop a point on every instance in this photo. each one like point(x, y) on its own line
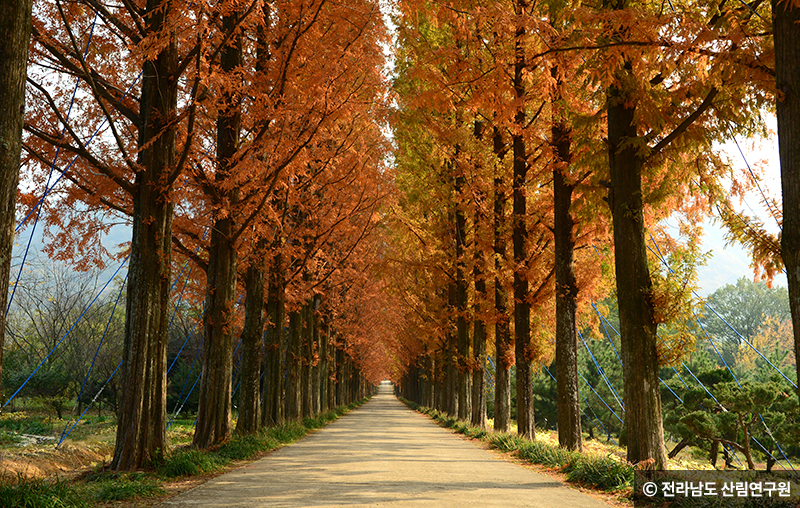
point(383, 454)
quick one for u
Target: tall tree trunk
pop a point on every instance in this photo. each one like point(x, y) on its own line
point(643, 425)
point(214, 408)
point(569, 410)
point(451, 369)
point(15, 30)
point(308, 352)
point(332, 369)
point(786, 24)
point(252, 340)
point(462, 328)
point(324, 341)
point(316, 353)
point(339, 355)
point(522, 308)
point(502, 328)
point(294, 357)
point(440, 390)
point(478, 417)
point(142, 409)
point(275, 348)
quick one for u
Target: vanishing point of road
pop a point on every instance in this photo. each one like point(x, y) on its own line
point(383, 454)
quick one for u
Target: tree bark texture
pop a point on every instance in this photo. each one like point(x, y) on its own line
point(462, 326)
point(15, 30)
point(568, 403)
point(478, 365)
point(322, 370)
point(522, 310)
point(308, 354)
point(502, 327)
point(142, 408)
point(294, 356)
point(478, 417)
point(451, 368)
point(214, 409)
point(316, 354)
point(274, 349)
point(252, 341)
point(643, 424)
point(786, 25)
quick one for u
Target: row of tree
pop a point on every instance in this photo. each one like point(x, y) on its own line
point(245, 140)
point(568, 131)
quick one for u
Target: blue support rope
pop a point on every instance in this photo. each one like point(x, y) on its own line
point(189, 336)
point(603, 322)
point(74, 159)
point(191, 369)
point(602, 373)
point(589, 418)
point(735, 378)
point(63, 437)
point(184, 402)
point(601, 398)
point(96, 353)
point(50, 174)
point(68, 331)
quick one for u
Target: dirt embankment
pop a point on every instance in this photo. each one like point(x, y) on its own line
point(40, 461)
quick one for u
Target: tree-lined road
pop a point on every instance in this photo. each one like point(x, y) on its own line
point(383, 454)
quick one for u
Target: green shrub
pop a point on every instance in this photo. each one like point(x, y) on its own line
point(604, 473)
point(287, 432)
point(506, 442)
point(460, 427)
point(449, 421)
point(31, 425)
point(476, 432)
point(242, 447)
point(40, 494)
point(549, 455)
point(190, 462)
point(130, 486)
point(9, 438)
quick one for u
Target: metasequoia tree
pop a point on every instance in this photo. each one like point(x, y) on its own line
point(15, 29)
point(642, 135)
point(289, 106)
point(786, 27)
point(130, 171)
point(214, 407)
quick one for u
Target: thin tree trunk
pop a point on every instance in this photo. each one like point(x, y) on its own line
point(462, 328)
point(569, 410)
point(502, 333)
point(339, 376)
point(250, 396)
point(315, 355)
point(15, 30)
point(332, 366)
point(324, 340)
point(275, 349)
point(214, 408)
point(308, 352)
point(293, 407)
point(451, 369)
point(142, 409)
point(522, 309)
point(786, 24)
point(478, 417)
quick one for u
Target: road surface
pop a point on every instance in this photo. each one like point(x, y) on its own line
point(383, 455)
